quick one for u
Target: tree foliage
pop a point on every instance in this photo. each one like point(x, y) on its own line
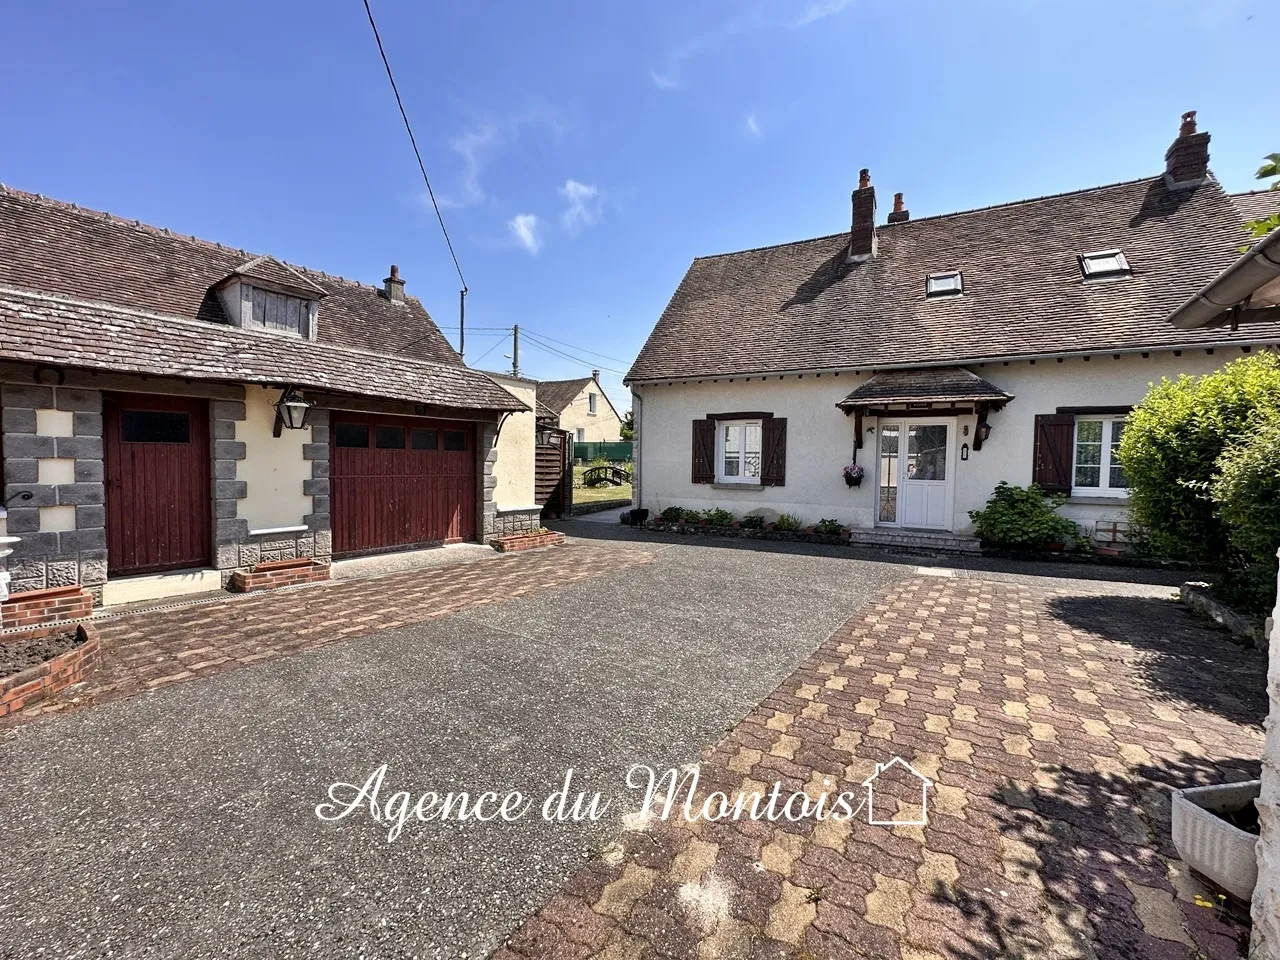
point(1246, 493)
point(1171, 448)
point(1265, 225)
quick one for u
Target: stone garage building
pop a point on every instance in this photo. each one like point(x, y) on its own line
point(145, 451)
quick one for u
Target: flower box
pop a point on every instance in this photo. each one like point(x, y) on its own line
point(39, 682)
point(1217, 850)
point(272, 574)
point(526, 541)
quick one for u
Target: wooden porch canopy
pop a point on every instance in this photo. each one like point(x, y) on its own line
point(928, 392)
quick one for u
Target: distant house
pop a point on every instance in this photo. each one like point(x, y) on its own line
point(942, 355)
point(583, 408)
point(154, 387)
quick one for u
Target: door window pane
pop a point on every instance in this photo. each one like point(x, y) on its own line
point(389, 438)
point(424, 438)
point(927, 452)
point(154, 426)
point(351, 435)
point(889, 434)
point(455, 440)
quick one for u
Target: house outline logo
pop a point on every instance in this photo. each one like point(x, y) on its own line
point(925, 784)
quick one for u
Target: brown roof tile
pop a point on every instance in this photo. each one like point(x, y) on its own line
point(1257, 204)
point(558, 394)
point(802, 306)
point(36, 328)
point(931, 385)
point(65, 250)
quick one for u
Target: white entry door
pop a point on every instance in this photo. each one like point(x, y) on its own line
point(915, 482)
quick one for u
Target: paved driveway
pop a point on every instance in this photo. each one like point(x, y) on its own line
point(180, 822)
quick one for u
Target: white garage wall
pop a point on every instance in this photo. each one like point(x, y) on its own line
point(820, 437)
point(273, 467)
point(516, 447)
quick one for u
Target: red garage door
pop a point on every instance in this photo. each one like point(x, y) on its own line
point(398, 482)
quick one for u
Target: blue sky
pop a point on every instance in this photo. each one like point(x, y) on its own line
point(586, 152)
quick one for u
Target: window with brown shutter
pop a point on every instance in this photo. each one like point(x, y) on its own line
point(773, 472)
point(1055, 434)
point(704, 451)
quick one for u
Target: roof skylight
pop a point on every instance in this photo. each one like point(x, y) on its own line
point(947, 284)
point(1104, 265)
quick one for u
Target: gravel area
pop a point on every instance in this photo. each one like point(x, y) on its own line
point(182, 824)
point(18, 655)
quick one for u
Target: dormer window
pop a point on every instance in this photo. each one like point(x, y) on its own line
point(265, 294)
point(1104, 265)
point(947, 284)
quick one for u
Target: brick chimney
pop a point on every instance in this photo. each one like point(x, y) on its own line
point(393, 286)
point(900, 213)
point(862, 234)
point(1186, 162)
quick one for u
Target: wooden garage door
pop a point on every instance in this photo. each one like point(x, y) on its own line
point(159, 512)
point(399, 482)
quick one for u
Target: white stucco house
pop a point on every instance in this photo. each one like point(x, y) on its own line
point(582, 408)
point(942, 354)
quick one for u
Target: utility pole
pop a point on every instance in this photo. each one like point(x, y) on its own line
point(515, 350)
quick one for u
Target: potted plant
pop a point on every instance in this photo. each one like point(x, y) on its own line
point(853, 475)
point(1215, 831)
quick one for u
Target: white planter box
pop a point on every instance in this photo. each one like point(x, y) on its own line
point(1208, 844)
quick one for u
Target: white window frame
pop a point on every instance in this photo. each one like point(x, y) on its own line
point(934, 289)
point(591, 404)
point(1104, 488)
point(721, 477)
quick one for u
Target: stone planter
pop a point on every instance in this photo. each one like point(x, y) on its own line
point(526, 541)
point(42, 681)
point(1209, 845)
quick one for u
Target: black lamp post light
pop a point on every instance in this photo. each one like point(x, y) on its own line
point(292, 411)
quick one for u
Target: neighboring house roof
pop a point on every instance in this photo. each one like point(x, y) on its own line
point(933, 385)
point(1257, 204)
point(803, 306)
point(1247, 291)
point(61, 249)
point(41, 329)
point(543, 412)
point(558, 394)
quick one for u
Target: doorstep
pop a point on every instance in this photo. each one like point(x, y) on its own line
point(940, 541)
point(160, 586)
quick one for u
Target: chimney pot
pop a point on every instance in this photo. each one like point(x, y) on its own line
point(595, 374)
point(900, 213)
point(862, 233)
point(393, 286)
point(1186, 162)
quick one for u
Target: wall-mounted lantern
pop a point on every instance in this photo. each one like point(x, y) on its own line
point(291, 411)
point(980, 434)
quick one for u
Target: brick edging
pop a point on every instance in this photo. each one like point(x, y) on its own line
point(279, 573)
point(46, 679)
point(51, 605)
point(528, 541)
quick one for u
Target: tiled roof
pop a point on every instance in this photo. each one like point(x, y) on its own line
point(39, 329)
point(930, 385)
point(64, 250)
point(1256, 204)
point(803, 306)
point(270, 270)
point(558, 394)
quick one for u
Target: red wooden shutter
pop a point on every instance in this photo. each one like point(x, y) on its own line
point(773, 467)
point(704, 451)
point(1055, 437)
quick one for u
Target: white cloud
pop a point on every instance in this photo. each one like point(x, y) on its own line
point(524, 228)
point(582, 205)
point(817, 11)
point(478, 144)
point(752, 126)
point(663, 82)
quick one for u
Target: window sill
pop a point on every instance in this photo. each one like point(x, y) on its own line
point(737, 486)
point(1093, 501)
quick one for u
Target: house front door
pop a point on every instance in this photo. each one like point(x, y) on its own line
point(914, 487)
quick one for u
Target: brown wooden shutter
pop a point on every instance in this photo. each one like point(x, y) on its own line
point(704, 451)
point(773, 466)
point(1055, 437)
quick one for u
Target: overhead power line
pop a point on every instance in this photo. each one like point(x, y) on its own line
point(571, 346)
point(560, 353)
point(413, 140)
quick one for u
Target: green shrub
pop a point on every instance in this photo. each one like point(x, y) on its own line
point(752, 521)
point(786, 521)
point(672, 514)
point(1246, 492)
point(831, 528)
point(718, 517)
point(1170, 449)
point(1022, 518)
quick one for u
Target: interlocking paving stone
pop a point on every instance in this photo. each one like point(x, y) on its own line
point(1053, 725)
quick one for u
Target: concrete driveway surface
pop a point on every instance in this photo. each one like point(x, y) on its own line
point(181, 823)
